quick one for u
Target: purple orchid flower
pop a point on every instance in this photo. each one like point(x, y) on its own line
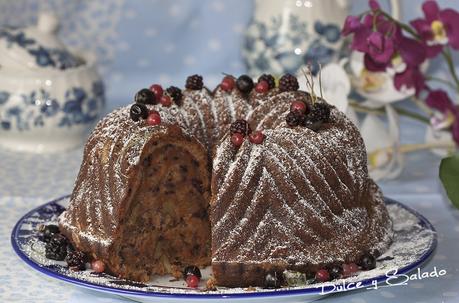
point(374, 5)
point(412, 52)
point(439, 100)
point(411, 77)
point(438, 28)
point(351, 25)
point(380, 47)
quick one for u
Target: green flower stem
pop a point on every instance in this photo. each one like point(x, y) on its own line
point(382, 111)
point(449, 60)
point(409, 148)
point(440, 80)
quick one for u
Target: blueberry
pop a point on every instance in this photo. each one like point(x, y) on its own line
point(244, 83)
point(367, 262)
point(335, 271)
point(138, 111)
point(145, 96)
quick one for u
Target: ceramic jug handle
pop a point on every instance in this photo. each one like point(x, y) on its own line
point(395, 9)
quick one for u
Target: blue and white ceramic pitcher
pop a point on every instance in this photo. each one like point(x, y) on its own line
point(50, 97)
point(286, 34)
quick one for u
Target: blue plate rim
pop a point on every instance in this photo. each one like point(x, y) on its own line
point(275, 293)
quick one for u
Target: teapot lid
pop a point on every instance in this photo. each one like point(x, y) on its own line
point(36, 47)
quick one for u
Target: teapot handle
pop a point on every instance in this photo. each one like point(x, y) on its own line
point(395, 9)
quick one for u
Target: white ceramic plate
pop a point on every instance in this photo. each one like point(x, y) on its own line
point(414, 242)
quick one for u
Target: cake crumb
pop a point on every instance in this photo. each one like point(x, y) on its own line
point(210, 284)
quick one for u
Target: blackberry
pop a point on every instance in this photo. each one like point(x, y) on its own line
point(272, 280)
point(335, 271)
point(194, 82)
point(294, 118)
point(245, 84)
point(269, 79)
point(191, 270)
point(138, 111)
point(145, 96)
point(241, 127)
point(367, 262)
point(320, 112)
point(76, 260)
point(47, 231)
point(288, 82)
point(56, 248)
point(176, 94)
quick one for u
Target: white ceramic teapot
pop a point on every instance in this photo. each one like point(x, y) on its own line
point(49, 97)
point(284, 35)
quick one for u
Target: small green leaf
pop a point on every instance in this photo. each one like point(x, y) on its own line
point(449, 176)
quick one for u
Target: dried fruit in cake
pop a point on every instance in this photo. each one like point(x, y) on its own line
point(138, 111)
point(245, 84)
point(47, 231)
point(56, 248)
point(269, 79)
point(194, 82)
point(175, 93)
point(288, 82)
point(76, 260)
point(240, 126)
point(145, 96)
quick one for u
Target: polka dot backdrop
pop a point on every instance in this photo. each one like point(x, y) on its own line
point(146, 41)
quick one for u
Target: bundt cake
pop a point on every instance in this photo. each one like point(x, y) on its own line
point(252, 178)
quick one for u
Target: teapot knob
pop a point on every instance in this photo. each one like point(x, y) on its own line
point(48, 23)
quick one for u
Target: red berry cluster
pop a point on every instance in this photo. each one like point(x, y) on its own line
point(336, 272)
point(240, 129)
point(366, 262)
point(158, 91)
